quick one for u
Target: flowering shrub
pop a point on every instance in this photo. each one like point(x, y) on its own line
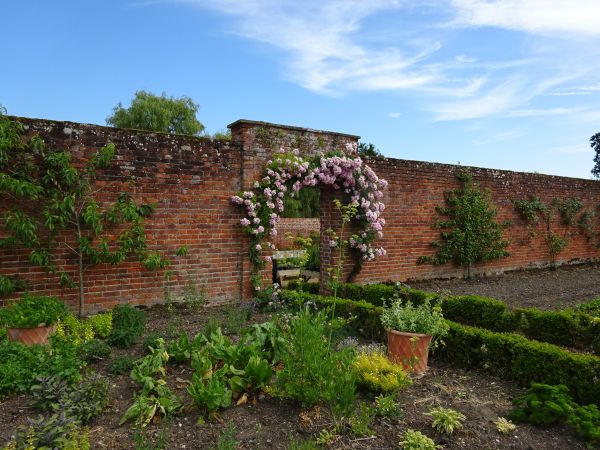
point(286, 174)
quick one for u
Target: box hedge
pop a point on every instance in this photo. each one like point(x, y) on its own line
point(570, 328)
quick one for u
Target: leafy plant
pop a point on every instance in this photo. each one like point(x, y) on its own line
point(47, 196)
point(180, 350)
point(120, 365)
point(543, 405)
point(546, 405)
point(142, 441)
point(415, 440)
point(94, 350)
point(312, 372)
point(470, 233)
point(424, 319)
point(211, 394)
point(101, 324)
point(446, 420)
point(379, 374)
point(155, 397)
point(20, 365)
point(74, 330)
point(51, 432)
point(361, 420)
point(128, 324)
point(151, 340)
point(258, 372)
point(534, 211)
point(386, 406)
point(504, 426)
point(32, 311)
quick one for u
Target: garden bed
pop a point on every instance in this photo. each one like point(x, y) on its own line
point(558, 288)
point(267, 422)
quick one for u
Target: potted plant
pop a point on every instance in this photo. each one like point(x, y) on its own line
point(410, 329)
point(32, 319)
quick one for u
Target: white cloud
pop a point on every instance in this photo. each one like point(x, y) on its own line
point(394, 115)
point(582, 90)
point(533, 16)
point(334, 47)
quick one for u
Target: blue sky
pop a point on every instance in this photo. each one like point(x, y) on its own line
point(511, 84)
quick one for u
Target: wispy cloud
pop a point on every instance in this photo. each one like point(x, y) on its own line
point(534, 16)
point(394, 115)
point(334, 47)
point(495, 138)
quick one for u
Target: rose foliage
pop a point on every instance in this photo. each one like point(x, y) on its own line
point(286, 174)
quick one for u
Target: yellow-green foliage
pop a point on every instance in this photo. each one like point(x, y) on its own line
point(379, 374)
point(101, 324)
point(75, 330)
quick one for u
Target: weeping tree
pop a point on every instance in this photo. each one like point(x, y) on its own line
point(51, 208)
point(469, 231)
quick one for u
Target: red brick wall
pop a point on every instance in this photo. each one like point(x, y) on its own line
point(191, 180)
point(415, 188)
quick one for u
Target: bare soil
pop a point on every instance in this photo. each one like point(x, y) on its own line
point(558, 288)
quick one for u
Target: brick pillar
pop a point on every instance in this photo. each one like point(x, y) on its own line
point(259, 141)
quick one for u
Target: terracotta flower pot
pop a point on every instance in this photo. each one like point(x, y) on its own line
point(411, 350)
point(32, 336)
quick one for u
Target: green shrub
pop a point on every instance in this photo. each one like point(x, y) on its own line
point(376, 294)
point(101, 324)
point(74, 330)
point(543, 405)
point(386, 406)
point(366, 315)
point(591, 307)
point(479, 311)
point(94, 350)
point(515, 357)
point(311, 288)
point(424, 319)
point(361, 420)
point(32, 311)
point(21, 365)
point(128, 324)
point(546, 405)
point(313, 373)
point(415, 440)
point(379, 374)
point(120, 365)
point(446, 420)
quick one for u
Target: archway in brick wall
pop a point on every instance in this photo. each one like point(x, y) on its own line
point(353, 189)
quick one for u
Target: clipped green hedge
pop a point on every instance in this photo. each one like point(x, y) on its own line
point(312, 288)
point(515, 357)
point(569, 328)
point(506, 355)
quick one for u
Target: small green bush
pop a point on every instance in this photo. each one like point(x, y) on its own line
point(386, 406)
point(128, 324)
point(314, 373)
point(32, 311)
point(379, 374)
point(101, 324)
point(415, 440)
point(120, 365)
point(94, 350)
point(409, 318)
point(21, 365)
point(446, 420)
point(546, 405)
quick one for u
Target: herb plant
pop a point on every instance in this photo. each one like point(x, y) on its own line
point(378, 374)
point(415, 440)
point(32, 311)
point(423, 319)
point(446, 420)
point(128, 324)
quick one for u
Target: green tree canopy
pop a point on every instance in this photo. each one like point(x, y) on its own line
point(158, 113)
point(595, 143)
point(369, 150)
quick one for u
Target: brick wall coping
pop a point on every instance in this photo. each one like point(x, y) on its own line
point(256, 123)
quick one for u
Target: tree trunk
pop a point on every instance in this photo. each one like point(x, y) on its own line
point(80, 272)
